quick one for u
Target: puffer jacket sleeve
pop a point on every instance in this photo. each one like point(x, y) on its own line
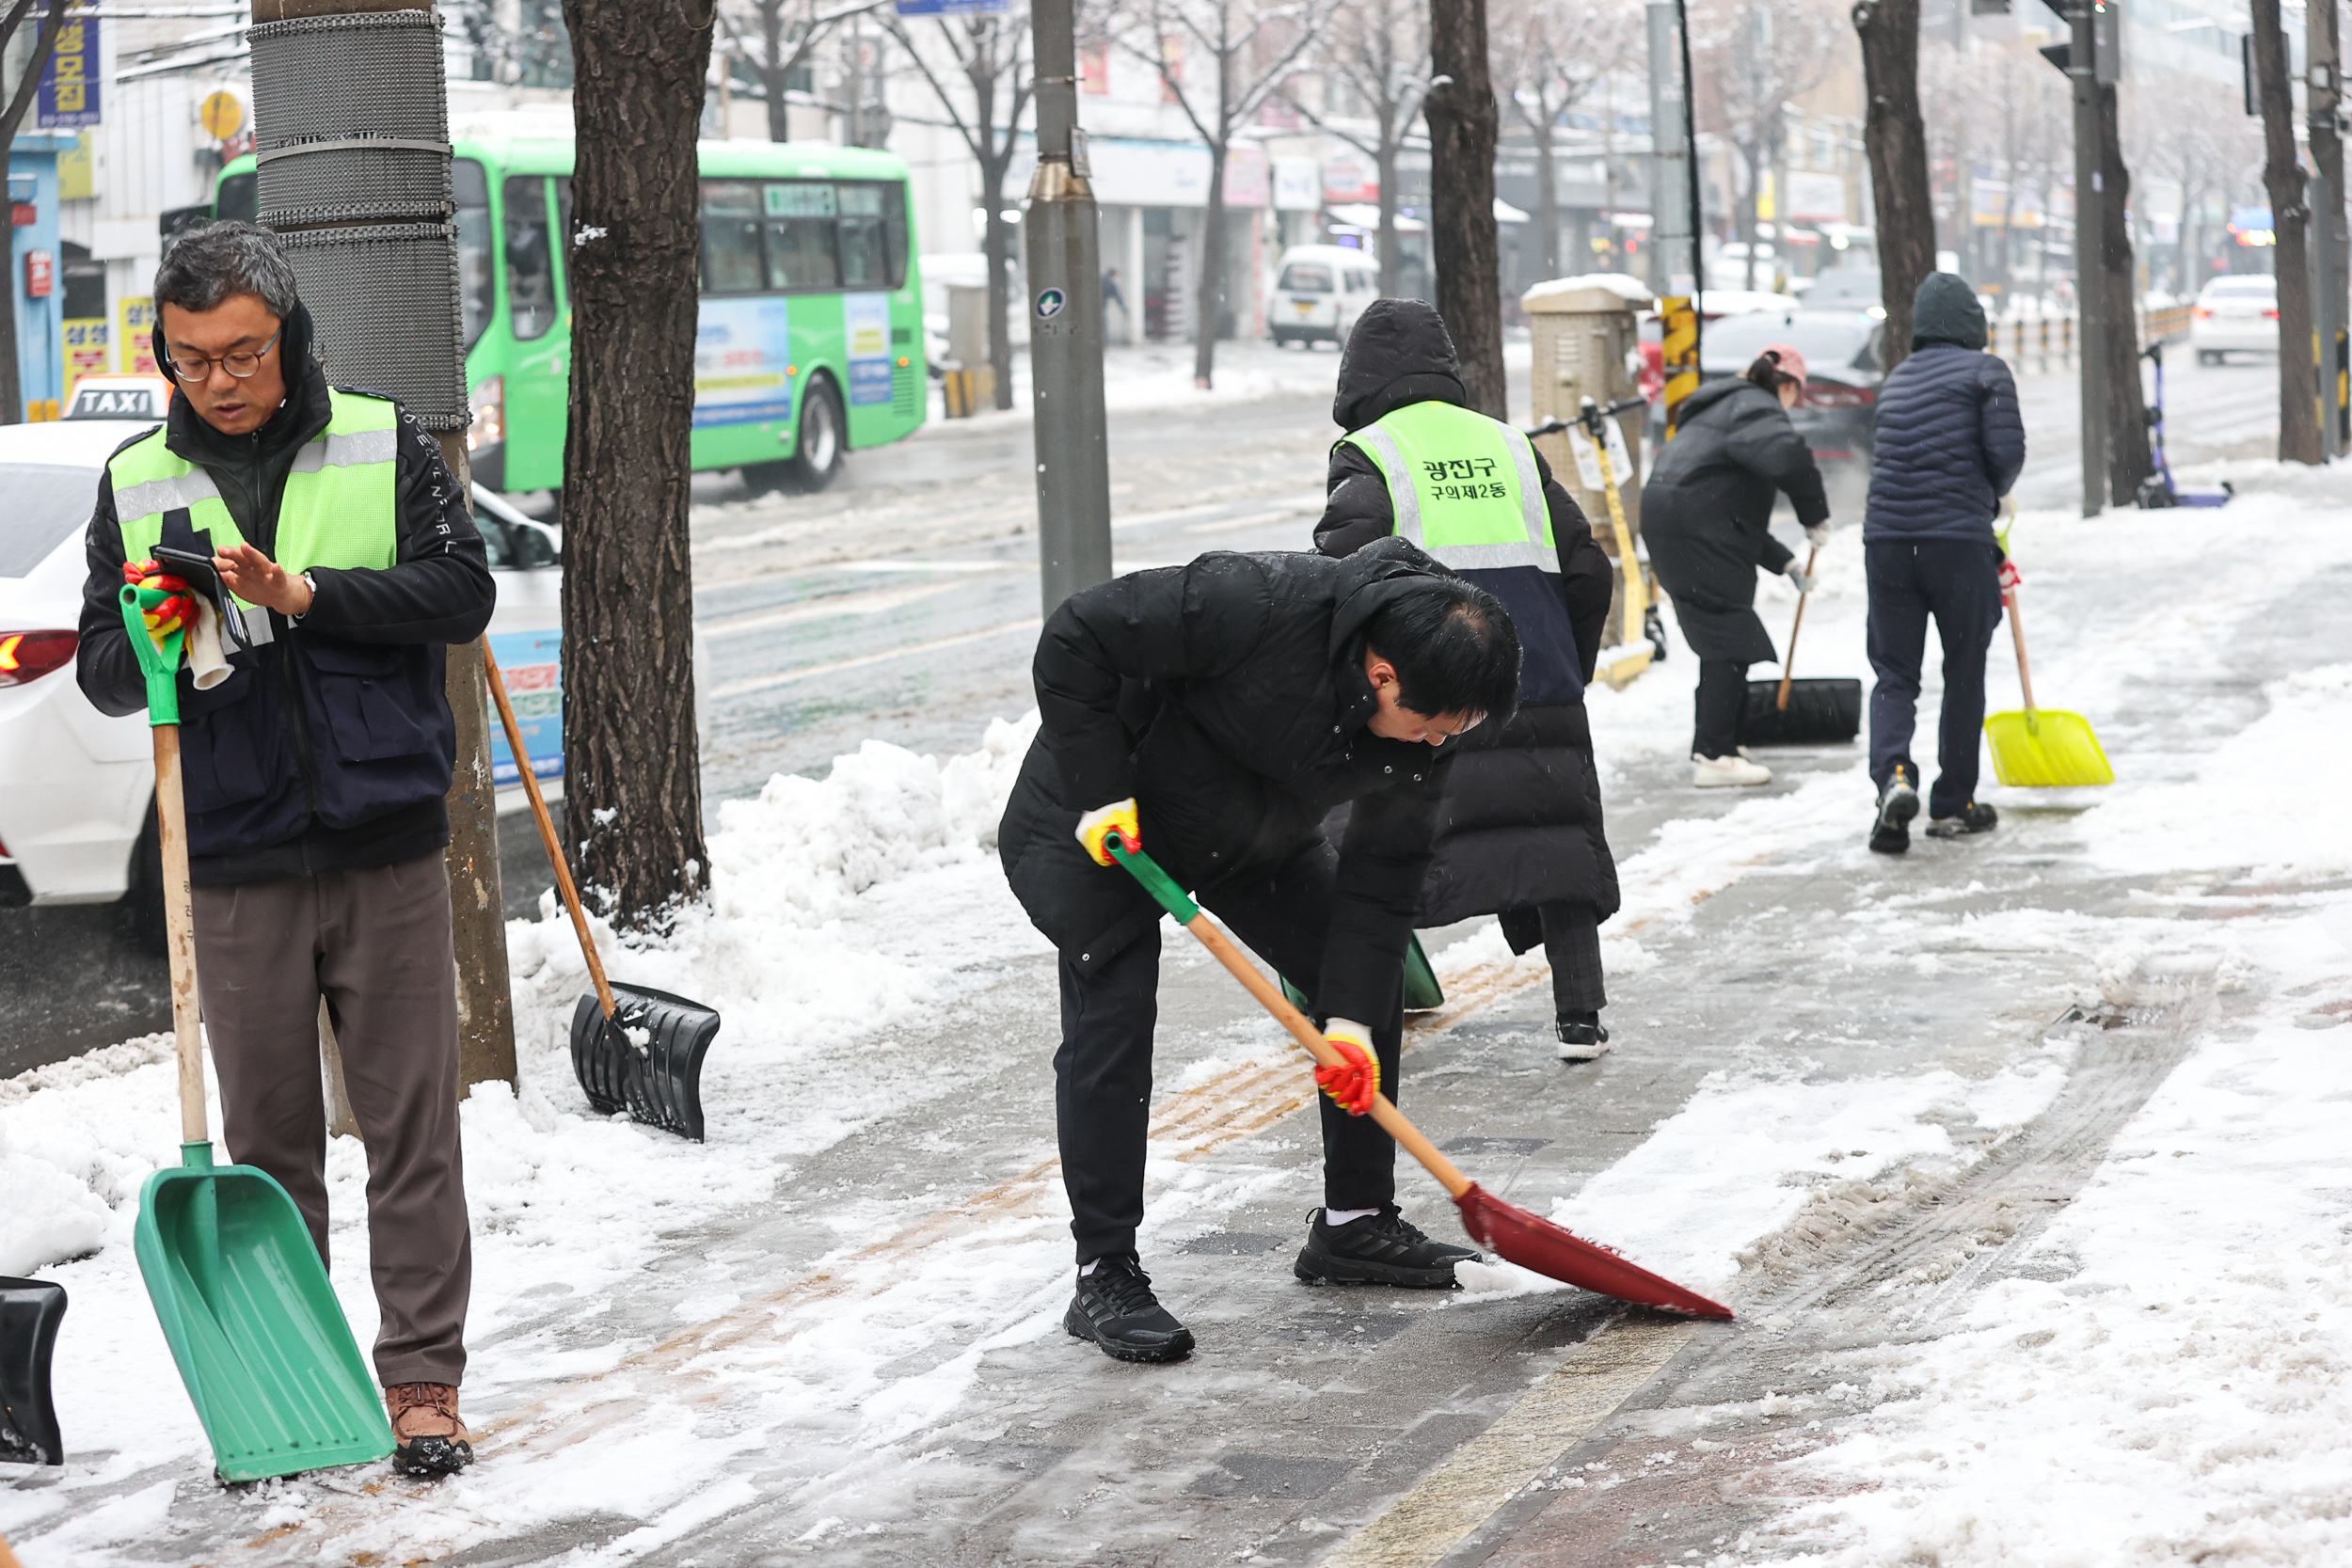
point(1173, 623)
point(1384, 858)
point(1357, 508)
point(1586, 578)
point(2000, 428)
point(1767, 444)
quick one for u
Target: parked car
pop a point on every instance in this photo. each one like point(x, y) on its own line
point(1838, 413)
point(2234, 314)
point(77, 787)
point(1319, 292)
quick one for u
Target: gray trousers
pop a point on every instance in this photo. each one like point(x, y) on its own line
point(376, 945)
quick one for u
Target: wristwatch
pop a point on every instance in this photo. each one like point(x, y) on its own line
point(313, 583)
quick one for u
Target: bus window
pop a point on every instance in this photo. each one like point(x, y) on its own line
point(477, 288)
point(529, 268)
point(864, 241)
point(800, 222)
point(731, 263)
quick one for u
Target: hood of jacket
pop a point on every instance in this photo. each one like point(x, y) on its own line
point(1946, 310)
point(1400, 353)
point(300, 418)
point(1721, 389)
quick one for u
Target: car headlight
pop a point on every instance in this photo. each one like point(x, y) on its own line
point(488, 427)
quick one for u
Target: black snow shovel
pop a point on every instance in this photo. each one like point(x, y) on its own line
point(1791, 712)
point(633, 1048)
point(30, 1311)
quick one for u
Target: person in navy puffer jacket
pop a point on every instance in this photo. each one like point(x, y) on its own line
point(1950, 445)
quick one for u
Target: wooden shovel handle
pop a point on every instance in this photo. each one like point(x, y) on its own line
point(1788, 665)
point(546, 827)
point(1310, 1039)
point(171, 832)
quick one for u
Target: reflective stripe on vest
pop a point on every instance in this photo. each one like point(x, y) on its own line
point(1463, 486)
point(341, 506)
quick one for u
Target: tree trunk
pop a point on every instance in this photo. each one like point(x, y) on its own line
point(2129, 460)
point(996, 245)
point(2290, 218)
point(1385, 247)
point(631, 757)
point(1208, 310)
point(2321, 111)
point(1749, 205)
point(1547, 196)
point(771, 71)
point(1464, 122)
point(1897, 144)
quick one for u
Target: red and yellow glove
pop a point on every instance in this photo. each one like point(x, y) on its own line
point(2011, 576)
point(1355, 1084)
point(166, 615)
point(1099, 824)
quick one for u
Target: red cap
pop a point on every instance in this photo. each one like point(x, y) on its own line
point(1787, 357)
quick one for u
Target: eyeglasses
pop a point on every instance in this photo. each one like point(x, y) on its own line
point(240, 365)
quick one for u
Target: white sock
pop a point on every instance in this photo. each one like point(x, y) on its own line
point(1341, 1216)
point(1088, 1267)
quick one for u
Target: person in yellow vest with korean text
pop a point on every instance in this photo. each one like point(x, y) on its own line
point(316, 772)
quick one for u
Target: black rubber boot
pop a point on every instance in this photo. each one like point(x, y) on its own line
point(1890, 827)
point(1973, 819)
point(1377, 1249)
point(1115, 1307)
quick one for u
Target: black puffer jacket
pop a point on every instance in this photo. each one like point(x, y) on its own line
point(1520, 824)
point(1950, 442)
point(331, 748)
point(1706, 511)
point(1229, 697)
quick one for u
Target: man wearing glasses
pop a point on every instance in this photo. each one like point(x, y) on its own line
point(316, 772)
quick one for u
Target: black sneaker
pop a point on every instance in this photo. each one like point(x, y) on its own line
point(1973, 819)
point(1377, 1249)
point(1582, 1036)
point(1115, 1307)
point(1890, 825)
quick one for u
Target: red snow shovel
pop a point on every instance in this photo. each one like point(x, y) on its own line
point(1507, 1230)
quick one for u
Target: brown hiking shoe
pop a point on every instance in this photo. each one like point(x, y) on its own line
point(428, 1439)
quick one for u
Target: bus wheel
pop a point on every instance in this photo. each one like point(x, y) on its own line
point(816, 460)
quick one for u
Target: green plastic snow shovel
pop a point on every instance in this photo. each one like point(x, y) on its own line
point(242, 1294)
point(1421, 991)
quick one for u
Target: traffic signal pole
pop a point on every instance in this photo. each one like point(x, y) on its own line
point(1065, 305)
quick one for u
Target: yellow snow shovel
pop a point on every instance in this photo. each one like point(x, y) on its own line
point(2042, 747)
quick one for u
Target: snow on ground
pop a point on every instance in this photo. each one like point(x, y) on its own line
point(851, 912)
point(1148, 376)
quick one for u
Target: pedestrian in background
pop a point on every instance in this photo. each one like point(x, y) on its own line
point(1950, 444)
point(316, 774)
point(1707, 512)
point(1519, 830)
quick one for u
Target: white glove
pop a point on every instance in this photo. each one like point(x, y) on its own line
point(1804, 585)
point(1816, 536)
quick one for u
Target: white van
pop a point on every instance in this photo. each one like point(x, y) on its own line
point(1319, 290)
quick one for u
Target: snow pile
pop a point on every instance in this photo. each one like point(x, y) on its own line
point(50, 1215)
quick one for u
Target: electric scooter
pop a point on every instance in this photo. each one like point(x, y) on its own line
point(2157, 490)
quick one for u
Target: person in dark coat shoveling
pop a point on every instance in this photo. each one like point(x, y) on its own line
point(1519, 830)
point(1211, 715)
point(1950, 444)
point(1706, 511)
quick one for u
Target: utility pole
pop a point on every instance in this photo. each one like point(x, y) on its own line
point(329, 73)
point(2082, 74)
point(1065, 305)
point(2332, 242)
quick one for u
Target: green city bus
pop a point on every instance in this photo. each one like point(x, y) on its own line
point(811, 327)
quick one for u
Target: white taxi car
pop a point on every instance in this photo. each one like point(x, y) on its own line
point(76, 787)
